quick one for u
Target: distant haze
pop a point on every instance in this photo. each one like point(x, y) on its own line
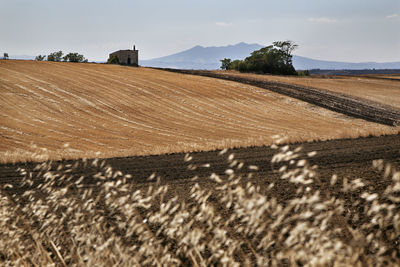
point(200, 57)
point(335, 30)
point(208, 58)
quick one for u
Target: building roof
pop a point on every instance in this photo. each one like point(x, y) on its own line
point(125, 50)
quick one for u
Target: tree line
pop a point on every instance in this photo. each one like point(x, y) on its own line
point(58, 56)
point(273, 59)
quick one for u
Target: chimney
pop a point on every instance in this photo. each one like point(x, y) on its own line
point(134, 47)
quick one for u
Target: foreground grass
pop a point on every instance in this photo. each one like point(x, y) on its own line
point(63, 219)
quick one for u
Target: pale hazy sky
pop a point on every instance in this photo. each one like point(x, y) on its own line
point(342, 30)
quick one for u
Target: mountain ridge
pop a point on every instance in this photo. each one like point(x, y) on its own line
point(200, 57)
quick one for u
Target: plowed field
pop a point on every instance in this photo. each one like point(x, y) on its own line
point(108, 111)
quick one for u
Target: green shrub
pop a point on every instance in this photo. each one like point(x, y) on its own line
point(55, 56)
point(40, 58)
point(303, 73)
point(113, 60)
point(74, 57)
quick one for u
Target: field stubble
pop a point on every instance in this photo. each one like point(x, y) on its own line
point(95, 110)
point(384, 89)
point(344, 103)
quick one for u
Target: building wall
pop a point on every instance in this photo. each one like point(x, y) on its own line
point(124, 54)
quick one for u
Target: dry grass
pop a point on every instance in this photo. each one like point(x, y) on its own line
point(64, 221)
point(390, 76)
point(371, 87)
point(107, 111)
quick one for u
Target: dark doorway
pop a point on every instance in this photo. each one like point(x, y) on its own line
point(129, 60)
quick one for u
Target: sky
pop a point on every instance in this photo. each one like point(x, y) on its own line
point(340, 30)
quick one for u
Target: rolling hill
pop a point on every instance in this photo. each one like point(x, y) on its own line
point(108, 111)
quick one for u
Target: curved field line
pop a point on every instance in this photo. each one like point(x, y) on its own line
point(344, 103)
point(109, 111)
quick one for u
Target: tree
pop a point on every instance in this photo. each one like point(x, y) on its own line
point(274, 59)
point(286, 48)
point(5, 56)
point(40, 57)
point(234, 65)
point(113, 60)
point(55, 56)
point(225, 63)
point(74, 57)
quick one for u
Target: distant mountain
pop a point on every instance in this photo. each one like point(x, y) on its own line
point(200, 57)
point(304, 63)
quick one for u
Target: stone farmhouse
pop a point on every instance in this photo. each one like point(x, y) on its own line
point(127, 57)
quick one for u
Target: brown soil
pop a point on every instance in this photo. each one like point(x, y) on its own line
point(348, 158)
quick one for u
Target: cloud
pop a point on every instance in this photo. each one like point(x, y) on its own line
point(322, 20)
point(223, 24)
point(393, 16)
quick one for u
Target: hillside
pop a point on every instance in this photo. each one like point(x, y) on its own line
point(108, 111)
point(383, 89)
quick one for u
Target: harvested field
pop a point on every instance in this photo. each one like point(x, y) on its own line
point(384, 89)
point(243, 207)
point(394, 77)
point(108, 111)
point(344, 103)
